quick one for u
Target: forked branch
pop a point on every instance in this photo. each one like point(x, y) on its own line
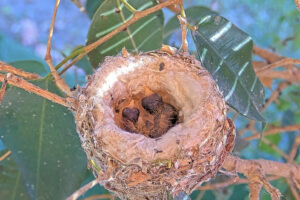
point(257, 169)
point(61, 84)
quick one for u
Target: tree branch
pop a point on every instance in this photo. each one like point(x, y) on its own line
point(21, 83)
point(233, 163)
point(8, 68)
point(260, 168)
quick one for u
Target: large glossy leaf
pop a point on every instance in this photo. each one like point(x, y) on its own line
point(91, 6)
point(143, 35)
point(43, 141)
point(11, 186)
point(226, 52)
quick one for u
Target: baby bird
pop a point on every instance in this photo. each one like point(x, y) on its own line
point(130, 117)
point(164, 115)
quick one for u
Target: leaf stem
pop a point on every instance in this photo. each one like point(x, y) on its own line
point(128, 6)
point(66, 59)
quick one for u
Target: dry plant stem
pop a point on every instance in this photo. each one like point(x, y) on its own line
point(184, 43)
point(136, 16)
point(275, 130)
point(282, 62)
point(3, 88)
point(21, 83)
point(82, 190)
point(8, 68)
point(61, 84)
point(5, 155)
point(293, 151)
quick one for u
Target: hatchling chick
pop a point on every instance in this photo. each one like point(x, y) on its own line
point(130, 118)
point(164, 115)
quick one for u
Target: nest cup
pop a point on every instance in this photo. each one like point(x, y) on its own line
point(144, 155)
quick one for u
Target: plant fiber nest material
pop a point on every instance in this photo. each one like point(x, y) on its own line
point(135, 147)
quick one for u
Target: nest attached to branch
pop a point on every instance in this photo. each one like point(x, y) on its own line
point(153, 124)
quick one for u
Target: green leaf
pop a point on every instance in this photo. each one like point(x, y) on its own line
point(11, 187)
point(32, 66)
point(193, 14)
point(143, 35)
point(91, 6)
point(43, 141)
point(226, 52)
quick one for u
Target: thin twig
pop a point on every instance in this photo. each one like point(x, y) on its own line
point(282, 62)
point(21, 83)
point(136, 16)
point(82, 190)
point(274, 130)
point(273, 146)
point(128, 6)
point(8, 68)
point(274, 96)
point(71, 63)
point(184, 43)
point(5, 155)
point(61, 84)
point(233, 181)
point(294, 149)
point(3, 88)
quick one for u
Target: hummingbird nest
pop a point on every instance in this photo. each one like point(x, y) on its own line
point(153, 124)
